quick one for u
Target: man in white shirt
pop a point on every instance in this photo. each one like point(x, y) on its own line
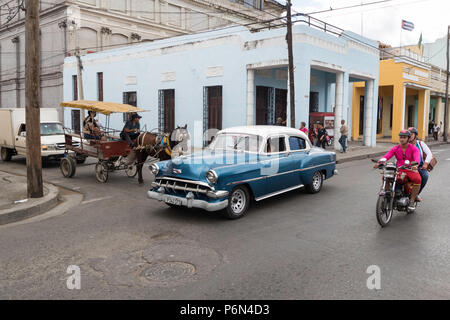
point(425, 157)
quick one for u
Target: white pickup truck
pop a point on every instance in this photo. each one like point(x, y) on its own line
point(13, 134)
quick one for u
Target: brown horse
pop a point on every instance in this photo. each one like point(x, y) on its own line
point(159, 146)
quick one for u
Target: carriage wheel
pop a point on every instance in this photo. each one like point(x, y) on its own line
point(131, 170)
point(101, 172)
point(68, 167)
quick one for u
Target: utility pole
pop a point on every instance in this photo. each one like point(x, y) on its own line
point(446, 90)
point(80, 78)
point(291, 62)
point(32, 102)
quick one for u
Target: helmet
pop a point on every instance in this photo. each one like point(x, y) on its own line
point(413, 130)
point(404, 133)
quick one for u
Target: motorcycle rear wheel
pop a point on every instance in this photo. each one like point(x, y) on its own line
point(384, 212)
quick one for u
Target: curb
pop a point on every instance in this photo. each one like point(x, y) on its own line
point(41, 206)
point(379, 153)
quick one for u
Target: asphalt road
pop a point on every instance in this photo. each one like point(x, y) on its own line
point(293, 246)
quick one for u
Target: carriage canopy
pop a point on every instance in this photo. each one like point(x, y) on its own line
point(102, 107)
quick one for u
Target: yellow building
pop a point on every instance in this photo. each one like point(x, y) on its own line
point(403, 98)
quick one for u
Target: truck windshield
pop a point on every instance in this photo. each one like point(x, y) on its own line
point(51, 129)
point(240, 142)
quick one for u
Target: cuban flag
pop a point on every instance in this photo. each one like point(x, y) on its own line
point(407, 25)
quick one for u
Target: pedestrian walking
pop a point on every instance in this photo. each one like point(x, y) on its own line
point(344, 136)
point(436, 132)
point(321, 135)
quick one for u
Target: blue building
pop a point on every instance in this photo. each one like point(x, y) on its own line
point(232, 77)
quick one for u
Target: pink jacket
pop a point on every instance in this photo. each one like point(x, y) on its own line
point(411, 154)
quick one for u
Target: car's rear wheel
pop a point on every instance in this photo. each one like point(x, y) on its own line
point(238, 202)
point(317, 182)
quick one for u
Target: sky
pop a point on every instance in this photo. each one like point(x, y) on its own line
point(382, 21)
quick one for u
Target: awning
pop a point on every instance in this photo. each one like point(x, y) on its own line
point(105, 108)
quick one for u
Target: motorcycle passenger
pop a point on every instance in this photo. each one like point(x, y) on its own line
point(425, 158)
point(402, 152)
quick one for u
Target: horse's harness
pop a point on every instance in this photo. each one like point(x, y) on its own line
point(162, 142)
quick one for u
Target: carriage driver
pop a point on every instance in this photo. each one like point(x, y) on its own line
point(131, 130)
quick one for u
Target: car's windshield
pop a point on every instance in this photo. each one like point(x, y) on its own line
point(51, 129)
point(237, 141)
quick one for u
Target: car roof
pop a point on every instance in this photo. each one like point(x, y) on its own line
point(265, 131)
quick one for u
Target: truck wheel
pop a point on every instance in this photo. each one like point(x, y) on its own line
point(238, 203)
point(68, 167)
point(6, 154)
point(316, 184)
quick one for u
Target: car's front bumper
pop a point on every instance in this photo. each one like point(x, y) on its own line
point(189, 201)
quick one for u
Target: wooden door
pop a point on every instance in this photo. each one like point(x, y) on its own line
point(262, 105)
point(76, 126)
point(280, 104)
point(169, 110)
point(215, 107)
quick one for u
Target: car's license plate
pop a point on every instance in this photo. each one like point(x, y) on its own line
point(173, 200)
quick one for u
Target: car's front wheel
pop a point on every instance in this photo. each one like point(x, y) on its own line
point(238, 202)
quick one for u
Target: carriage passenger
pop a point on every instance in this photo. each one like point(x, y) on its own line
point(91, 128)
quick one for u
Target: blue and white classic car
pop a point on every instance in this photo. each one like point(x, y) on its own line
point(240, 165)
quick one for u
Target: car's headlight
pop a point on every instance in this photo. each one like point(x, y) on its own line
point(212, 176)
point(154, 168)
point(48, 147)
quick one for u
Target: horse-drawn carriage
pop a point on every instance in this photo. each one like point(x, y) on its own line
point(112, 152)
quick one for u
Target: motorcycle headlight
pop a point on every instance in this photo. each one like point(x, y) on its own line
point(154, 168)
point(212, 176)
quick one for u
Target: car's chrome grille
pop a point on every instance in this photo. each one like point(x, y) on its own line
point(181, 185)
point(62, 146)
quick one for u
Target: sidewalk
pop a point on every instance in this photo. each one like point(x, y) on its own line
point(356, 151)
point(14, 205)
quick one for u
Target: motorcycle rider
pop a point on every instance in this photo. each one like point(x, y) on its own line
point(425, 157)
point(402, 152)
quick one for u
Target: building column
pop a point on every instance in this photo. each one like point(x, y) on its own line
point(338, 105)
point(250, 96)
point(422, 114)
point(398, 110)
point(368, 110)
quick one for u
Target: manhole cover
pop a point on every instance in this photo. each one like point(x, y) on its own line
point(168, 271)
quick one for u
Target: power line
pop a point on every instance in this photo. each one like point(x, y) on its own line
point(349, 7)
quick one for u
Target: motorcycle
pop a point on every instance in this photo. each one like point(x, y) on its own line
point(393, 194)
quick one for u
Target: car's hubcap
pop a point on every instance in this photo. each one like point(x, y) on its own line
point(317, 180)
point(238, 201)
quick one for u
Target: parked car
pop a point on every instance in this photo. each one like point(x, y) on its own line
point(240, 165)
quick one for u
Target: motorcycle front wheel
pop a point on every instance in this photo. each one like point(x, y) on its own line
point(384, 211)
